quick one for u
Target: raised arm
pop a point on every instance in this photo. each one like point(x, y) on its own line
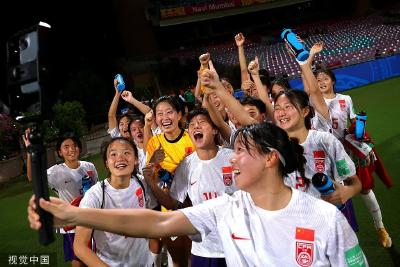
point(112, 112)
point(239, 39)
point(147, 132)
point(254, 68)
point(217, 119)
point(316, 97)
point(197, 91)
point(210, 79)
point(128, 97)
point(129, 222)
point(203, 59)
point(310, 82)
point(315, 49)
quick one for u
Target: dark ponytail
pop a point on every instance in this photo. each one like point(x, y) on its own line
point(297, 152)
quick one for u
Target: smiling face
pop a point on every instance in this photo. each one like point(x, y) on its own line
point(248, 165)
point(123, 126)
point(287, 116)
point(69, 150)
point(121, 159)
point(136, 131)
point(216, 101)
point(325, 83)
point(201, 132)
point(167, 118)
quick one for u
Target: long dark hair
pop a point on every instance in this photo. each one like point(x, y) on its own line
point(266, 136)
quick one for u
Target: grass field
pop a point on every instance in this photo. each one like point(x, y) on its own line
point(379, 100)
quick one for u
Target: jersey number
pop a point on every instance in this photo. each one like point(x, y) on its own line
point(210, 195)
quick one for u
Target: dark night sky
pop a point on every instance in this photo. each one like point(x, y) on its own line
point(83, 36)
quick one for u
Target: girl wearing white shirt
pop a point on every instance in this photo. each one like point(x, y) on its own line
point(265, 223)
point(121, 190)
point(342, 112)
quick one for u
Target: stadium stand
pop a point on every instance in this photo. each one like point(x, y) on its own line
point(347, 41)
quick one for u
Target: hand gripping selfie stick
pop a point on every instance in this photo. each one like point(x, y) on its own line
point(40, 186)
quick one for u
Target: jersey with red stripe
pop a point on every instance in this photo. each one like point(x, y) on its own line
point(307, 232)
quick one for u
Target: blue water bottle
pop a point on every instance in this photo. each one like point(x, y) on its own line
point(299, 50)
point(361, 120)
point(86, 183)
point(325, 186)
point(120, 82)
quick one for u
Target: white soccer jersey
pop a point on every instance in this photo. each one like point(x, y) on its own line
point(68, 182)
point(141, 159)
point(341, 109)
point(114, 132)
point(307, 232)
point(202, 180)
point(318, 122)
point(324, 153)
point(113, 249)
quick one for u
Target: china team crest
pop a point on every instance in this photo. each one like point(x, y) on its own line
point(319, 160)
point(227, 175)
point(140, 197)
point(304, 253)
point(342, 104)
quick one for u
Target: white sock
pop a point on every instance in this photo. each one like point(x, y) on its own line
point(373, 207)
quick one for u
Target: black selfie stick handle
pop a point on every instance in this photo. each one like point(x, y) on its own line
point(40, 188)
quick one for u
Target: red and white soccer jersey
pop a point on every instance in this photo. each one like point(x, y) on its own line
point(68, 182)
point(113, 249)
point(318, 122)
point(203, 180)
point(341, 109)
point(325, 154)
point(307, 232)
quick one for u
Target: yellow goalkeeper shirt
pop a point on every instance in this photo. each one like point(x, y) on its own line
point(175, 150)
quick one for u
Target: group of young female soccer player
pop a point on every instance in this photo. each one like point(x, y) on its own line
point(249, 202)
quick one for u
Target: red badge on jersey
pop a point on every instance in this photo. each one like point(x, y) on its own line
point(304, 249)
point(89, 173)
point(188, 150)
point(342, 104)
point(139, 195)
point(319, 160)
point(227, 175)
point(304, 253)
